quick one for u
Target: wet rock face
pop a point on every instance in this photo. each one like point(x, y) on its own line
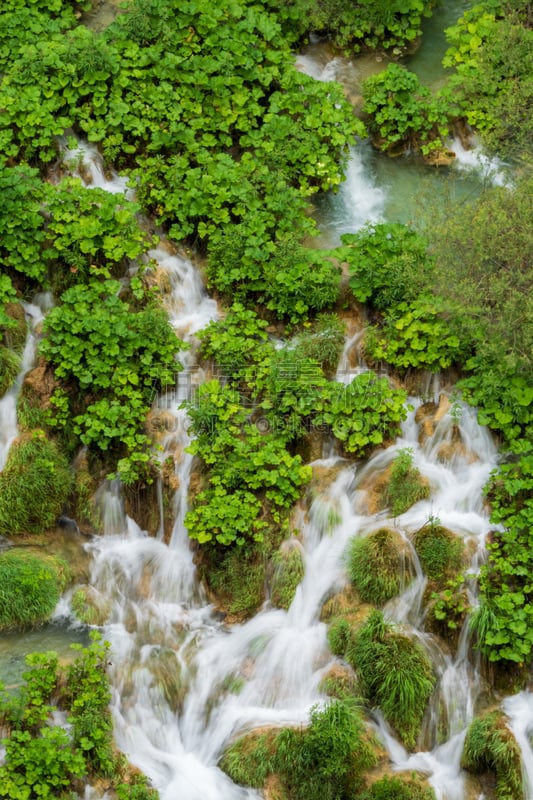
point(40, 383)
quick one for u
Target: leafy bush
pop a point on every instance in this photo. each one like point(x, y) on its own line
point(403, 115)
point(504, 621)
point(323, 341)
point(31, 587)
point(234, 341)
point(34, 485)
point(21, 223)
point(415, 335)
point(289, 569)
point(406, 485)
point(364, 413)
point(253, 479)
point(395, 674)
point(91, 328)
point(378, 565)
point(490, 746)
point(388, 262)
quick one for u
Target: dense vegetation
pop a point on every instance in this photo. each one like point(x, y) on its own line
point(225, 143)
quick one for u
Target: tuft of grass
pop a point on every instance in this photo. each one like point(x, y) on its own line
point(377, 565)
point(288, 572)
point(34, 485)
point(396, 788)
point(30, 587)
point(439, 550)
point(406, 485)
point(237, 578)
point(251, 758)
point(9, 368)
point(395, 674)
point(491, 747)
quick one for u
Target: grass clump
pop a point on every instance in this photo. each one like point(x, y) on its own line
point(396, 788)
point(237, 578)
point(34, 485)
point(30, 587)
point(324, 761)
point(9, 368)
point(395, 674)
point(491, 747)
point(439, 550)
point(377, 565)
point(406, 485)
point(288, 571)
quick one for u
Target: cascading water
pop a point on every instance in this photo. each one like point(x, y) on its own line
point(8, 404)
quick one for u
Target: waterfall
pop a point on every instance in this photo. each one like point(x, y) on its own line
point(34, 313)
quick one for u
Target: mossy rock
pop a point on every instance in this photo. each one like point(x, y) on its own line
point(490, 747)
point(34, 485)
point(287, 572)
point(340, 682)
point(405, 486)
point(440, 551)
point(32, 584)
point(379, 565)
point(250, 759)
point(15, 335)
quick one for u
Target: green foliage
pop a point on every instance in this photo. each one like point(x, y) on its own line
point(234, 341)
point(97, 343)
point(492, 51)
point(323, 341)
point(450, 606)
point(406, 485)
point(417, 335)
point(90, 232)
point(251, 758)
point(34, 485)
point(289, 569)
point(364, 413)
point(136, 789)
point(395, 674)
point(39, 766)
point(253, 479)
point(392, 788)
point(388, 263)
point(87, 695)
point(377, 565)
point(21, 225)
point(490, 746)
point(31, 587)
point(403, 115)
point(439, 550)
point(504, 621)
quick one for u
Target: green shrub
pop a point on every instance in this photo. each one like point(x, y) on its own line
point(251, 758)
point(34, 485)
point(323, 341)
point(235, 341)
point(403, 114)
point(364, 413)
point(388, 263)
point(389, 788)
point(491, 747)
point(378, 565)
point(289, 569)
point(406, 485)
point(395, 674)
point(31, 587)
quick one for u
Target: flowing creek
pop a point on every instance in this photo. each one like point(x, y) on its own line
point(185, 683)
